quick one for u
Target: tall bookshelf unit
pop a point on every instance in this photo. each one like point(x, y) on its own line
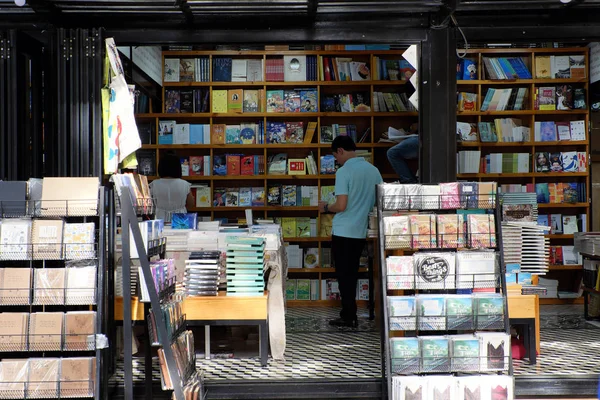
point(377, 122)
point(569, 276)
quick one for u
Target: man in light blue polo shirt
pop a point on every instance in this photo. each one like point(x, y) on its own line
point(355, 184)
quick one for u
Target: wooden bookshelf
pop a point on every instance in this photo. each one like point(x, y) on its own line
point(566, 274)
point(376, 122)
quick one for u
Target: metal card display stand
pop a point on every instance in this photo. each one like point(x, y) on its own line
point(408, 205)
point(129, 222)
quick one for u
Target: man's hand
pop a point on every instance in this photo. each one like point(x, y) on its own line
point(322, 205)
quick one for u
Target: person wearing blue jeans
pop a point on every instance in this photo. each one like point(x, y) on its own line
point(407, 149)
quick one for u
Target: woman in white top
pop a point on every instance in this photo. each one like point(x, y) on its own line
point(170, 193)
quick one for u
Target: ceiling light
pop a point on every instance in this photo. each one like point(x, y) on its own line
point(20, 3)
point(565, 1)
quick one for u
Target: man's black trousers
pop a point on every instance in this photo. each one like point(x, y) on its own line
point(346, 259)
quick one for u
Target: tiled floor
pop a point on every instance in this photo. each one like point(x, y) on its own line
point(569, 347)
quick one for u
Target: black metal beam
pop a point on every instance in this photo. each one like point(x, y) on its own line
point(313, 7)
point(185, 9)
point(437, 161)
point(330, 32)
point(46, 10)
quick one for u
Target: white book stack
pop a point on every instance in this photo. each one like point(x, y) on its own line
point(202, 240)
point(177, 239)
point(524, 244)
point(551, 286)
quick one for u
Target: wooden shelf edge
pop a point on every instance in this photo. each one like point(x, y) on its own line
point(565, 267)
point(578, 300)
point(320, 303)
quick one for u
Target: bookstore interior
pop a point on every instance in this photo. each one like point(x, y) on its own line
point(481, 285)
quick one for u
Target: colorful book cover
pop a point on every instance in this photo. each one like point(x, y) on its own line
point(308, 99)
point(556, 162)
point(185, 166)
point(482, 230)
point(203, 196)
point(294, 132)
point(400, 272)
point(274, 195)
point(184, 220)
point(542, 193)
point(258, 196)
point(235, 98)
point(450, 195)
point(302, 226)
point(247, 165)
point(196, 165)
point(232, 134)
point(233, 164)
point(276, 132)
point(172, 101)
point(275, 99)
point(450, 229)
point(569, 161)
point(291, 101)
point(289, 195)
point(288, 227)
point(219, 165)
point(548, 131)
point(542, 162)
point(232, 197)
point(247, 134)
point(250, 101)
point(423, 230)
point(217, 133)
point(219, 197)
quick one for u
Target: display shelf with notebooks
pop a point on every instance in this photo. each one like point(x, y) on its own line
point(442, 274)
point(534, 99)
point(164, 321)
point(52, 242)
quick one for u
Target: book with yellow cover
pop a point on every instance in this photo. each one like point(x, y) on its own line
point(219, 101)
point(325, 225)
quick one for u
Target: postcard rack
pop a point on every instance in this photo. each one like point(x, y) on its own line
point(54, 274)
point(445, 309)
point(167, 338)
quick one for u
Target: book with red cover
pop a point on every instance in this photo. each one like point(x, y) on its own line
point(247, 165)
point(233, 164)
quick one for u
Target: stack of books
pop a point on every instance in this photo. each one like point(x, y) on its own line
point(245, 264)
point(202, 272)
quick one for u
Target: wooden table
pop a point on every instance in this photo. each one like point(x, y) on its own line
point(216, 310)
point(526, 307)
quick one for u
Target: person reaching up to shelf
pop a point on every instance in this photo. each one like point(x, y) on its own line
point(170, 193)
point(407, 149)
point(355, 186)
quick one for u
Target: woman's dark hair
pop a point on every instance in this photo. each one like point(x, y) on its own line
point(169, 166)
point(343, 142)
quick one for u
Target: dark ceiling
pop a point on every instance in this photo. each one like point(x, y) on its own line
point(475, 16)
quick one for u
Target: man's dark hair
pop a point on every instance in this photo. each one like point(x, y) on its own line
point(343, 142)
point(169, 166)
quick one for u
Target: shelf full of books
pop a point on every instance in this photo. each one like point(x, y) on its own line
point(444, 290)
point(523, 120)
point(52, 234)
point(165, 321)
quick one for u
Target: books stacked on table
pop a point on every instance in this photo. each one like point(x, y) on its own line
point(245, 264)
point(202, 272)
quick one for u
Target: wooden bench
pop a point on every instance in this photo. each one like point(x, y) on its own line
point(216, 310)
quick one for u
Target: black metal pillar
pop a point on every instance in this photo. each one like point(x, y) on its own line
point(74, 132)
point(437, 162)
point(8, 105)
